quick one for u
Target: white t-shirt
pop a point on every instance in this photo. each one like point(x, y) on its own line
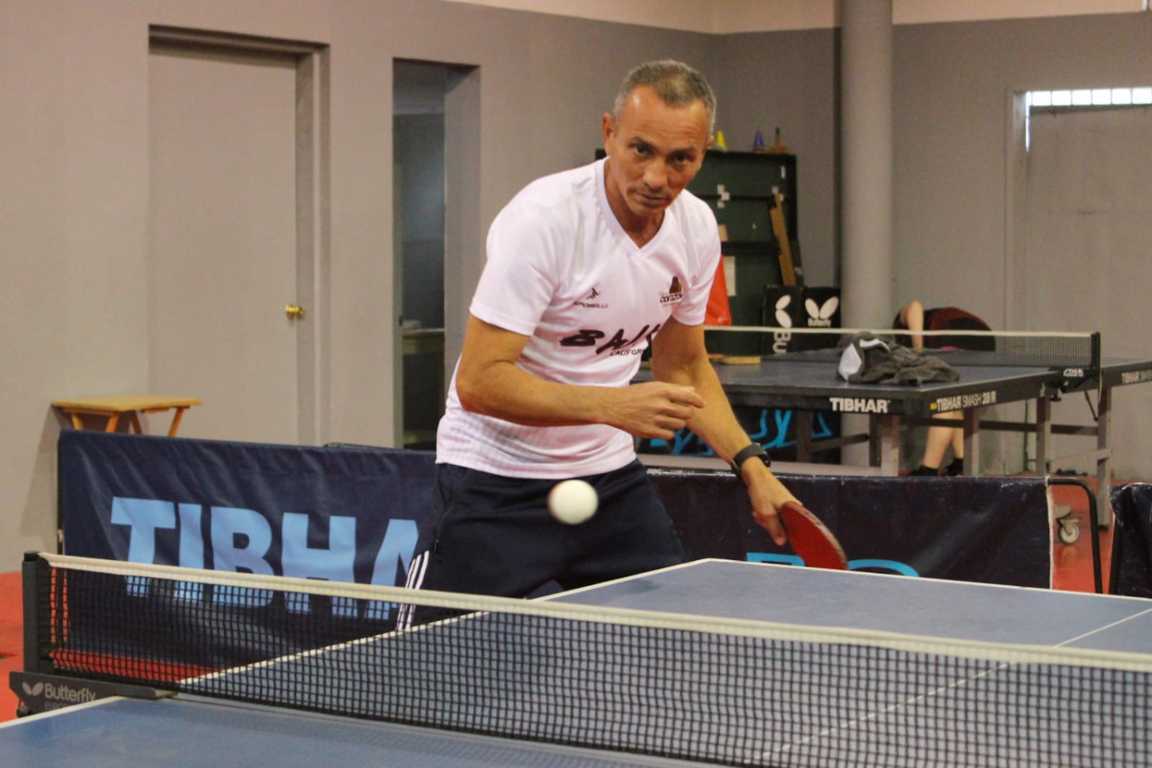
point(562, 270)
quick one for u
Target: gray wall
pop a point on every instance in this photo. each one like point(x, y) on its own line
point(950, 99)
point(951, 102)
point(74, 186)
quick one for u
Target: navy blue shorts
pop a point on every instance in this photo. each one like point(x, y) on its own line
point(493, 535)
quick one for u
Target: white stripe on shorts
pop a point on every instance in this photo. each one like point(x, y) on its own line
point(415, 578)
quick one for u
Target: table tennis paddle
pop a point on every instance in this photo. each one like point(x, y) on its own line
point(811, 539)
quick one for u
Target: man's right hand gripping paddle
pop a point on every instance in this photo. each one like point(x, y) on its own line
point(811, 539)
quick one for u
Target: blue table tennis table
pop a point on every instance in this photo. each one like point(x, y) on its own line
point(195, 732)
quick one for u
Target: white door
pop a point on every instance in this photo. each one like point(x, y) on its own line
point(224, 241)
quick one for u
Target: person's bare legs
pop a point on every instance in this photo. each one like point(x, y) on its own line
point(958, 443)
point(957, 465)
point(938, 441)
point(939, 438)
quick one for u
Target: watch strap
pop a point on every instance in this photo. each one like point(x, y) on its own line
point(752, 450)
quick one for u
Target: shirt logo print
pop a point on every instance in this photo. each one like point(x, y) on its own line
point(675, 292)
point(619, 344)
point(589, 301)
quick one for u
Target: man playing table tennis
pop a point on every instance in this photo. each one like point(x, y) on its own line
point(913, 317)
point(586, 269)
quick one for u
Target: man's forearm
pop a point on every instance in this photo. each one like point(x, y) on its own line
point(508, 392)
point(651, 409)
point(715, 423)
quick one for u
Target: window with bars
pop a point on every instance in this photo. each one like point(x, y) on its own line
point(1083, 98)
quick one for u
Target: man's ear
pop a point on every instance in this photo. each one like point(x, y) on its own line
point(607, 127)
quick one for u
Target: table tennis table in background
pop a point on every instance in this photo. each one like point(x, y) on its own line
point(808, 382)
point(194, 732)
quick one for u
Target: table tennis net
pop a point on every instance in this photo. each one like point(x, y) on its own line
point(717, 690)
point(960, 347)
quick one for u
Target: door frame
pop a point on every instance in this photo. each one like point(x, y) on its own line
point(313, 262)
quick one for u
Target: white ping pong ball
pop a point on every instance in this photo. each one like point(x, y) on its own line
point(572, 502)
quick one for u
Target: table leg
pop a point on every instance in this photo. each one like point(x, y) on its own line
point(134, 422)
point(803, 421)
point(972, 442)
point(887, 428)
point(77, 421)
point(176, 418)
point(113, 421)
point(875, 449)
point(1043, 435)
point(1104, 459)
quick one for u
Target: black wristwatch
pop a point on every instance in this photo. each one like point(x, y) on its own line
point(754, 450)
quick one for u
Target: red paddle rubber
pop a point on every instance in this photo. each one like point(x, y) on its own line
point(811, 539)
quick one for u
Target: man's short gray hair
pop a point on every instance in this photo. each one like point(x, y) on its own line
point(676, 83)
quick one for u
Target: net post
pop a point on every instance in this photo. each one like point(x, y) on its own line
point(35, 574)
point(1097, 363)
